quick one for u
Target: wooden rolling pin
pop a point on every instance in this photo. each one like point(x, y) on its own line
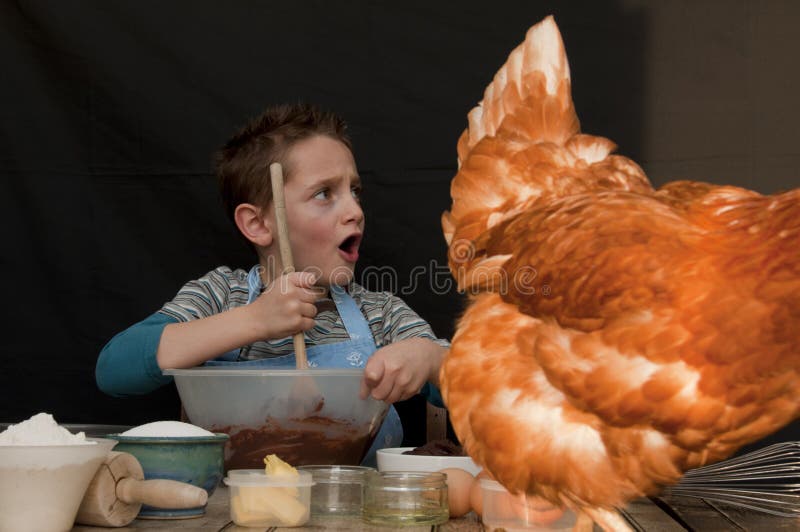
point(118, 490)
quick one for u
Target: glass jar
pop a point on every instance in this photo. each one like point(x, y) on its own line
point(337, 489)
point(405, 498)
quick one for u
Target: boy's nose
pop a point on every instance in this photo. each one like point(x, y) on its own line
point(353, 212)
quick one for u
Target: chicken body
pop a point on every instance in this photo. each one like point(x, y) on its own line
point(616, 335)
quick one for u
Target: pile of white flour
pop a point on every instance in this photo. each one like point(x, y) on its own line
point(45, 474)
point(167, 429)
point(41, 429)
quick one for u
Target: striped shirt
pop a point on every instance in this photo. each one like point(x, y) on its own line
point(389, 318)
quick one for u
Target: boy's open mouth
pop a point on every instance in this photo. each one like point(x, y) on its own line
point(349, 247)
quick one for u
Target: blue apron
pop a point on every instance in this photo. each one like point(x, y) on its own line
point(351, 353)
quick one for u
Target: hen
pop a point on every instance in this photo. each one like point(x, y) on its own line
point(616, 335)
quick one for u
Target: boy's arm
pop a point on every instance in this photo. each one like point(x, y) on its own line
point(131, 362)
point(284, 308)
point(127, 364)
point(402, 369)
point(410, 360)
point(191, 343)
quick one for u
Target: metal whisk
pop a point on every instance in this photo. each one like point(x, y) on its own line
point(767, 480)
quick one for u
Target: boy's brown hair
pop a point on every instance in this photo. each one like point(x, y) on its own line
point(242, 165)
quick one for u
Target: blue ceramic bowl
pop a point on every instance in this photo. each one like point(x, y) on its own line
point(196, 460)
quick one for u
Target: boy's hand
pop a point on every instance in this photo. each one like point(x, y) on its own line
point(398, 371)
point(286, 306)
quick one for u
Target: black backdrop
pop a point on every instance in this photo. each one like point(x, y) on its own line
point(111, 111)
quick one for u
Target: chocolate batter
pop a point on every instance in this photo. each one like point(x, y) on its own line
point(438, 448)
point(309, 441)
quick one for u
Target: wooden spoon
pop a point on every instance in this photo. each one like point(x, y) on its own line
point(276, 176)
point(304, 397)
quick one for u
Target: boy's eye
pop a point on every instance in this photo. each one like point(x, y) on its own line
point(355, 190)
point(322, 194)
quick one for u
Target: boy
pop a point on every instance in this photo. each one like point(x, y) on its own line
point(248, 318)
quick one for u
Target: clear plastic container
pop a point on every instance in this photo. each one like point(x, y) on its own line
point(266, 412)
point(510, 513)
point(405, 498)
point(260, 500)
point(337, 489)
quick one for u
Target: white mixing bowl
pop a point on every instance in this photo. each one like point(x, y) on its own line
point(41, 486)
point(393, 459)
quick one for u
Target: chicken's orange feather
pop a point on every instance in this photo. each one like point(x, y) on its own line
point(617, 335)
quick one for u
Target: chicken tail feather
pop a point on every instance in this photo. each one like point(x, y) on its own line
point(540, 59)
point(523, 141)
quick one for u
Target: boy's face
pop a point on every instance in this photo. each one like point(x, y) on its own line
point(323, 209)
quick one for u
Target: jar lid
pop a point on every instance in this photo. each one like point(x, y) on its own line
point(258, 478)
point(406, 480)
point(329, 474)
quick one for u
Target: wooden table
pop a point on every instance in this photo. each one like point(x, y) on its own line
point(650, 515)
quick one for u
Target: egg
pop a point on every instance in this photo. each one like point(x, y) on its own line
point(459, 483)
point(476, 493)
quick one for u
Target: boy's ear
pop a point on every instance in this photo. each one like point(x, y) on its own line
point(254, 224)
